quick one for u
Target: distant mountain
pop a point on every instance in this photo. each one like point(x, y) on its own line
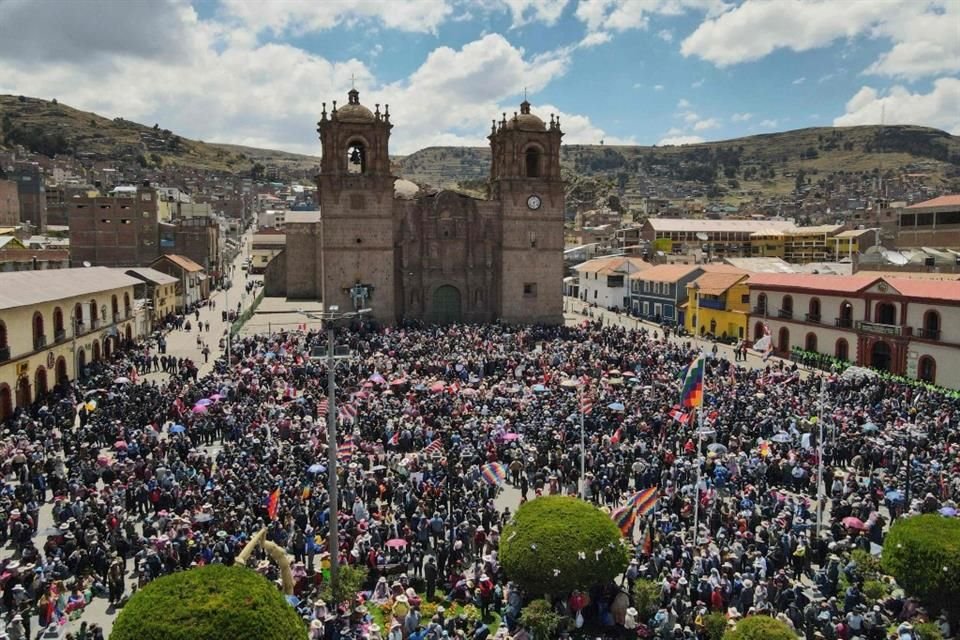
point(766, 164)
point(49, 128)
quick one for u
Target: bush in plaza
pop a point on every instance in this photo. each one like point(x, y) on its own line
point(209, 603)
point(760, 628)
point(540, 619)
point(923, 554)
point(646, 597)
point(541, 547)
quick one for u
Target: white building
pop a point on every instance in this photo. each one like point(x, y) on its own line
point(605, 281)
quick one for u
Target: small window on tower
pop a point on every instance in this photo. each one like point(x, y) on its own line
point(529, 289)
point(533, 162)
point(356, 158)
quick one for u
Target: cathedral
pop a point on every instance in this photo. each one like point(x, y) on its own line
point(437, 256)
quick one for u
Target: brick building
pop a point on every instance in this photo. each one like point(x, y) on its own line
point(114, 231)
point(441, 256)
point(9, 204)
point(32, 194)
point(933, 223)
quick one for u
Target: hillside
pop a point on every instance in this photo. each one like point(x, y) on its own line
point(738, 169)
point(49, 128)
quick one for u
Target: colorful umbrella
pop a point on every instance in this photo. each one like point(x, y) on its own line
point(948, 511)
point(119, 444)
point(204, 402)
point(437, 387)
point(199, 409)
point(616, 406)
point(782, 436)
point(122, 380)
point(510, 437)
point(397, 543)
point(316, 468)
point(854, 523)
point(177, 428)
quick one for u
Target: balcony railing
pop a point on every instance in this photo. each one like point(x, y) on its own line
point(759, 311)
point(843, 323)
point(927, 334)
point(785, 313)
point(876, 327)
point(96, 323)
point(4, 354)
point(813, 317)
point(79, 328)
point(59, 335)
point(39, 342)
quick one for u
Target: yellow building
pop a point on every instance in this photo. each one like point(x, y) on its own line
point(724, 304)
point(767, 243)
point(264, 247)
point(52, 323)
point(159, 289)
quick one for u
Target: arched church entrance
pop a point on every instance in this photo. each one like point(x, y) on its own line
point(446, 306)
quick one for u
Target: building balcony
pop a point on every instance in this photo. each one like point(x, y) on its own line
point(78, 328)
point(927, 334)
point(843, 323)
point(59, 335)
point(719, 305)
point(883, 329)
point(759, 311)
point(96, 323)
point(813, 317)
point(785, 313)
point(39, 342)
point(4, 354)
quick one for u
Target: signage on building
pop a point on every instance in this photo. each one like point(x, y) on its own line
point(23, 368)
point(50, 360)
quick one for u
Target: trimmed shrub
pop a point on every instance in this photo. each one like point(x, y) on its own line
point(760, 628)
point(715, 624)
point(646, 598)
point(923, 554)
point(541, 547)
point(215, 602)
point(540, 619)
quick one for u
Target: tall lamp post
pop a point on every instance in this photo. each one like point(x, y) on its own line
point(582, 408)
point(330, 316)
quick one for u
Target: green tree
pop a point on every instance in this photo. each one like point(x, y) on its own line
point(760, 628)
point(555, 544)
point(715, 624)
point(923, 554)
point(540, 619)
point(215, 602)
point(646, 597)
point(350, 580)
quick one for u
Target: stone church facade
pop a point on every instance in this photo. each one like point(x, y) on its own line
point(439, 257)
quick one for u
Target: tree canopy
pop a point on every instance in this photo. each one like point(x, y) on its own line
point(923, 554)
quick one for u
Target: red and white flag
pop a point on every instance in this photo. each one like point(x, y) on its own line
point(434, 447)
point(347, 412)
point(586, 404)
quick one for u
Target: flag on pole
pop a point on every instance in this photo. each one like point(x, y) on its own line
point(323, 407)
point(273, 503)
point(493, 473)
point(644, 501)
point(692, 393)
point(345, 450)
point(617, 435)
point(434, 447)
point(765, 343)
point(679, 415)
point(626, 518)
point(395, 439)
point(586, 404)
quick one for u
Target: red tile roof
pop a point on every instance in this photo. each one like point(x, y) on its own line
point(812, 282)
point(665, 272)
point(952, 200)
point(946, 290)
point(183, 262)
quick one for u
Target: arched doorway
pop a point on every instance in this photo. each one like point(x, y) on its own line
point(128, 332)
point(40, 382)
point(886, 313)
point(107, 347)
point(23, 392)
point(62, 376)
point(446, 305)
point(811, 342)
point(880, 356)
point(842, 350)
point(757, 331)
point(96, 351)
point(927, 369)
point(6, 402)
point(81, 361)
point(784, 342)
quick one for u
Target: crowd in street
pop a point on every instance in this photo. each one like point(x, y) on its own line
point(150, 478)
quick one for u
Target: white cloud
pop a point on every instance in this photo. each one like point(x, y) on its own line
point(690, 116)
point(623, 15)
point(825, 77)
point(800, 80)
point(595, 38)
point(899, 106)
point(679, 140)
point(697, 84)
point(306, 16)
point(767, 124)
point(524, 11)
point(658, 87)
point(741, 117)
point(684, 104)
point(666, 35)
point(924, 34)
point(703, 125)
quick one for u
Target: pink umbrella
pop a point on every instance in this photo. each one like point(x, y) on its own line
point(854, 523)
point(510, 437)
point(397, 543)
point(215, 397)
point(119, 444)
point(398, 382)
point(437, 387)
point(199, 409)
point(368, 385)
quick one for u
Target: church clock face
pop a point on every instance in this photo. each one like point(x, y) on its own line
point(534, 202)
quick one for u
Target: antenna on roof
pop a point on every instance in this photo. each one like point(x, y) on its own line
point(86, 263)
point(702, 237)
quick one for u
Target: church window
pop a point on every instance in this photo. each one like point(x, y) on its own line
point(356, 158)
point(530, 290)
point(533, 162)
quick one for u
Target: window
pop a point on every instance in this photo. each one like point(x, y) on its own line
point(927, 369)
point(931, 325)
point(614, 281)
point(58, 323)
point(745, 298)
point(39, 339)
point(784, 342)
point(356, 158)
point(762, 303)
point(3, 336)
point(842, 350)
point(787, 304)
point(646, 308)
point(530, 290)
point(657, 309)
point(646, 286)
point(814, 310)
point(533, 162)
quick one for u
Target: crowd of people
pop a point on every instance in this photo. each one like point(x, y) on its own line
point(145, 479)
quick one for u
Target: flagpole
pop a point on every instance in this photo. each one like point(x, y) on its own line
point(696, 488)
point(583, 451)
point(820, 492)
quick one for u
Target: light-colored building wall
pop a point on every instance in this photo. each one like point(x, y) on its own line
point(595, 290)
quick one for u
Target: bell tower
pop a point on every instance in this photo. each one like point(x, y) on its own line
point(355, 259)
point(525, 178)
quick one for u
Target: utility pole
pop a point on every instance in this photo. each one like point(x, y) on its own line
point(820, 491)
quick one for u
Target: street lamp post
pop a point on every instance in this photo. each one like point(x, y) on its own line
point(329, 317)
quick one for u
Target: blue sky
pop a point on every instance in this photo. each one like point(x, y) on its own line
point(622, 71)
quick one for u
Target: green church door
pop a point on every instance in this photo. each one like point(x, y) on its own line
point(446, 305)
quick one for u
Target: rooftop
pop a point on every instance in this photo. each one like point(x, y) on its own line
point(26, 288)
point(183, 262)
point(690, 224)
point(761, 265)
point(715, 284)
point(666, 272)
point(812, 282)
point(952, 200)
point(612, 265)
point(148, 274)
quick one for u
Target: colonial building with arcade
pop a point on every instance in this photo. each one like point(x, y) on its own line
point(439, 256)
